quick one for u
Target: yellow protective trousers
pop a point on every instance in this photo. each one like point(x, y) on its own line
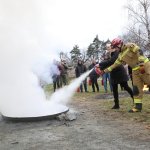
point(139, 79)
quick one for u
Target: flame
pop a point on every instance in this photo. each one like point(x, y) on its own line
point(145, 88)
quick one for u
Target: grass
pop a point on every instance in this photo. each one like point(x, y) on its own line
point(125, 103)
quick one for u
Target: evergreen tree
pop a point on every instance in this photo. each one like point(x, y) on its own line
point(75, 54)
point(91, 51)
point(95, 49)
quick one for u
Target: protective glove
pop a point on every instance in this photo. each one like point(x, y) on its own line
point(142, 69)
point(90, 82)
point(106, 71)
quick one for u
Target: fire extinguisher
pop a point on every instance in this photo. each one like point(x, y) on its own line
point(90, 82)
point(98, 70)
point(78, 89)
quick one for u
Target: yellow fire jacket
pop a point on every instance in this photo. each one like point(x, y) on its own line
point(130, 55)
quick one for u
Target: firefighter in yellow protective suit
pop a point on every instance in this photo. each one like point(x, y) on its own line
point(130, 54)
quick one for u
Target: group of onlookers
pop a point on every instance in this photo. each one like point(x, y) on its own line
point(119, 63)
point(118, 76)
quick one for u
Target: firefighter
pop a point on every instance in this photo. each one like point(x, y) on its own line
point(130, 54)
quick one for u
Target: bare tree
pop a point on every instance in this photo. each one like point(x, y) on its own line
point(65, 56)
point(139, 11)
point(134, 35)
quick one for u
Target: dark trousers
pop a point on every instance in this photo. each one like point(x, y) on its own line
point(85, 86)
point(115, 91)
point(63, 80)
point(94, 83)
point(56, 83)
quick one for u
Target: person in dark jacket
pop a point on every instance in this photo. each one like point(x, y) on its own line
point(118, 76)
point(80, 69)
point(93, 76)
point(63, 73)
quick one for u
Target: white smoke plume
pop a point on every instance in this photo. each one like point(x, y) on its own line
point(63, 95)
point(24, 39)
point(44, 69)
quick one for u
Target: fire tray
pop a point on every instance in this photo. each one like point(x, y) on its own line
point(37, 118)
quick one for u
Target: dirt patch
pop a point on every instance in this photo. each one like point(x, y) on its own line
point(122, 94)
point(110, 95)
point(96, 127)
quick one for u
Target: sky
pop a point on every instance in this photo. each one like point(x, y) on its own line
point(57, 25)
point(79, 21)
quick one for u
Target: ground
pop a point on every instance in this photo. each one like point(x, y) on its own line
point(97, 127)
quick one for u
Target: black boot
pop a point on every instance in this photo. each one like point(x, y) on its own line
point(136, 108)
point(116, 106)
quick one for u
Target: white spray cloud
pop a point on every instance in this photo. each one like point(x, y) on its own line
point(45, 68)
point(63, 95)
point(23, 40)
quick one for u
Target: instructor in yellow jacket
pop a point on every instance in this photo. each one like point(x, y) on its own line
point(130, 54)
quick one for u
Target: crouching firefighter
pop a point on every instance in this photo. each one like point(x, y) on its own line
point(130, 54)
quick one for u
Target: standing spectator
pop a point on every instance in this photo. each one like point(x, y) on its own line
point(106, 76)
point(118, 76)
point(80, 69)
point(63, 74)
point(93, 76)
point(55, 69)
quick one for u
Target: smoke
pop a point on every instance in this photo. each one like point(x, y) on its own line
point(26, 54)
point(63, 95)
point(23, 47)
point(44, 69)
